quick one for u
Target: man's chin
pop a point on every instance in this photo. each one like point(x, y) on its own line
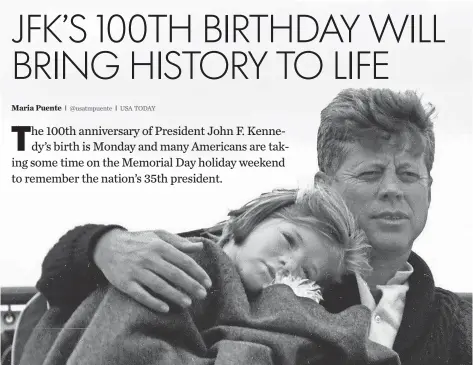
point(391, 244)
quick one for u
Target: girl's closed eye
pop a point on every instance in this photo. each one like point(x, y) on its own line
point(290, 240)
point(293, 238)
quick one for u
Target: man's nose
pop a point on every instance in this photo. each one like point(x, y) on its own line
point(390, 187)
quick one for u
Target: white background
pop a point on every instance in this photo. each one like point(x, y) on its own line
point(33, 217)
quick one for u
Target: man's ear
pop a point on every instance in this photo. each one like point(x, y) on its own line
point(430, 187)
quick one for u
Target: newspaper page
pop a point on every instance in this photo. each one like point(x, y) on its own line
point(168, 115)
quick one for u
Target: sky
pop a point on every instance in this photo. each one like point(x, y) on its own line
point(34, 216)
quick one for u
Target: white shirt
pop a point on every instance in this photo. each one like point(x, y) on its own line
point(387, 314)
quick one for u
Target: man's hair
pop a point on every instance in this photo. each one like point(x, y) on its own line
point(373, 116)
point(319, 208)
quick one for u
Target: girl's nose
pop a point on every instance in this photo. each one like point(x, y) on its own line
point(289, 263)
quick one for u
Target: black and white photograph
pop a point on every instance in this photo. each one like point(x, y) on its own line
point(235, 183)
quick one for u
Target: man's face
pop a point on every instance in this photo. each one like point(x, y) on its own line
point(388, 191)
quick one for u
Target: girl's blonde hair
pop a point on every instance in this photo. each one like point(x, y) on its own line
point(319, 208)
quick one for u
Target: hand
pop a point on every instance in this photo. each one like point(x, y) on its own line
point(149, 263)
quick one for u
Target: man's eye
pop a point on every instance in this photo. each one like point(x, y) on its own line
point(410, 176)
point(369, 174)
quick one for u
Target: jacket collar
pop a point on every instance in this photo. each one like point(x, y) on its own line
point(418, 306)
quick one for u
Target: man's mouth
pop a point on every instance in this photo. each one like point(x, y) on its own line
point(391, 216)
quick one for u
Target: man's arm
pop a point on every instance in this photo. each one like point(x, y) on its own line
point(462, 341)
point(68, 273)
point(144, 265)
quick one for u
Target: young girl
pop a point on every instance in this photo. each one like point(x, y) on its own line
point(308, 234)
point(245, 319)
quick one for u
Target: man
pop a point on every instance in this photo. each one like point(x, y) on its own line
point(376, 147)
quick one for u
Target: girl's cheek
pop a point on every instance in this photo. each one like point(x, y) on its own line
point(275, 248)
